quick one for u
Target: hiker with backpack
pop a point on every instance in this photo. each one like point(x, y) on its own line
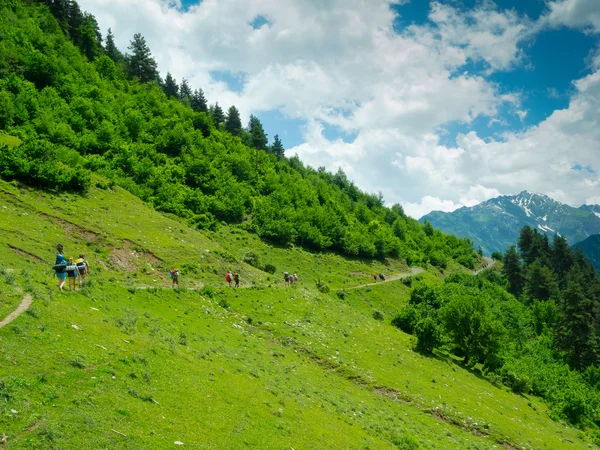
point(236, 278)
point(228, 277)
point(84, 268)
point(294, 279)
point(60, 266)
point(382, 277)
point(174, 275)
point(286, 278)
point(72, 274)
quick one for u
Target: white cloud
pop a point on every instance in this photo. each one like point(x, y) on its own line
point(575, 14)
point(341, 63)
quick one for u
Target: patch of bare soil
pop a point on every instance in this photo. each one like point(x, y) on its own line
point(26, 254)
point(71, 228)
point(131, 256)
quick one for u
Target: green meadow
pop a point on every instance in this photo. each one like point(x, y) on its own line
point(128, 362)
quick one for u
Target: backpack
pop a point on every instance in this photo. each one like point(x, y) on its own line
point(228, 277)
point(174, 273)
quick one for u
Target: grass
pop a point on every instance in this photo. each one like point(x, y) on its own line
point(10, 141)
point(262, 367)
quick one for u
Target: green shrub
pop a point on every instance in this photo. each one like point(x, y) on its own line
point(322, 286)
point(270, 268)
point(429, 335)
point(407, 319)
point(378, 315)
point(252, 258)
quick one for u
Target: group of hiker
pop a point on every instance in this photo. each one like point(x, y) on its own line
point(73, 270)
point(381, 277)
point(289, 279)
point(78, 269)
point(232, 277)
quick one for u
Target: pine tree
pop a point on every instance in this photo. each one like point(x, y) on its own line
point(111, 49)
point(170, 87)
point(217, 114)
point(75, 21)
point(258, 138)
point(233, 123)
point(198, 101)
point(525, 244)
point(185, 91)
point(60, 11)
point(90, 38)
point(141, 63)
point(541, 283)
point(513, 272)
point(277, 147)
point(562, 259)
point(576, 333)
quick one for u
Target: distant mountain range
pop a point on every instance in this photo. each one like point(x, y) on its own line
point(495, 224)
point(591, 249)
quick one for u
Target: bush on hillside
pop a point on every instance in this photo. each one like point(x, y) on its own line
point(407, 319)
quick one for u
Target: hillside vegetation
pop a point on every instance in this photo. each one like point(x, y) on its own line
point(90, 110)
point(265, 366)
point(142, 176)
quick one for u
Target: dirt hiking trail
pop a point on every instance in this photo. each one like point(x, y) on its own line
point(25, 303)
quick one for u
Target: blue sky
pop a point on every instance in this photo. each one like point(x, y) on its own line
point(437, 104)
point(545, 85)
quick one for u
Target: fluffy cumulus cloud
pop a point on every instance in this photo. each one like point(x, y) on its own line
point(575, 13)
point(342, 64)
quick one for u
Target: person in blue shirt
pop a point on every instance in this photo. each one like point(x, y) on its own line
point(60, 259)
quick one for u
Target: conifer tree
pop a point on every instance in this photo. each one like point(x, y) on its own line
point(185, 91)
point(513, 272)
point(217, 114)
point(170, 87)
point(277, 147)
point(258, 138)
point(576, 333)
point(198, 101)
point(90, 38)
point(233, 123)
point(562, 259)
point(141, 63)
point(111, 49)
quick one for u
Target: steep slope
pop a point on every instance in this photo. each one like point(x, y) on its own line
point(591, 249)
point(115, 366)
point(495, 224)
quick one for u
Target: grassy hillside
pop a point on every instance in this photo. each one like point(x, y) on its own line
point(267, 366)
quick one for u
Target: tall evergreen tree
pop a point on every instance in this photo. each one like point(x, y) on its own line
point(258, 137)
point(170, 87)
point(562, 259)
point(198, 101)
point(141, 63)
point(111, 49)
point(233, 123)
point(90, 38)
point(277, 147)
point(217, 114)
point(60, 11)
point(185, 91)
point(576, 333)
point(76, 21)
point(540, 282)
point(513, 271)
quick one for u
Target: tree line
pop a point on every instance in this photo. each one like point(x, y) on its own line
point(89, 115)
point(532, 325)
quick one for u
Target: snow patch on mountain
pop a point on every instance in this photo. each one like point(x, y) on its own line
point(545, 228)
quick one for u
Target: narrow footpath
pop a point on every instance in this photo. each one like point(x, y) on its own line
point(25, 303)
